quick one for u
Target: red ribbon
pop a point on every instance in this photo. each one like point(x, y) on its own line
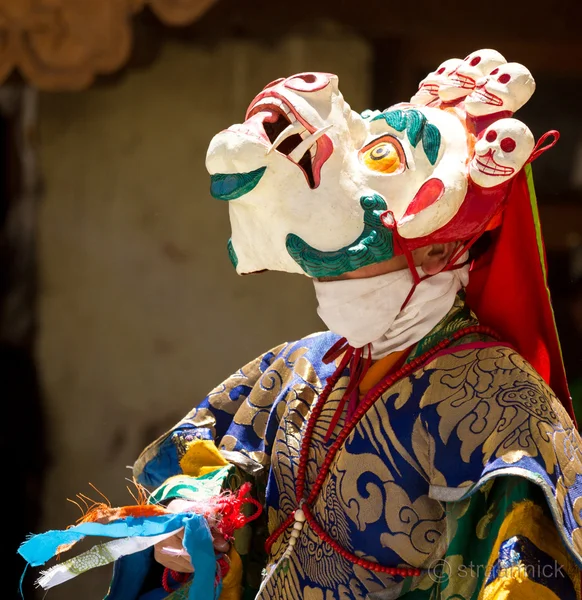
point(358, 365)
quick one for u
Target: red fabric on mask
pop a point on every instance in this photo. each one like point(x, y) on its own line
point(508, 288)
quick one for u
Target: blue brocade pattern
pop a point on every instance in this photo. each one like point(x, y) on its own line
point(470, 415)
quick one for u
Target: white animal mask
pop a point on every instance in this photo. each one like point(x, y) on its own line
point(317, 189)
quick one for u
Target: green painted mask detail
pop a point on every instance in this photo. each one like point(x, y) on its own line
point(374, 245)
point(232, 254)
point(231, 186)
point(417, 128)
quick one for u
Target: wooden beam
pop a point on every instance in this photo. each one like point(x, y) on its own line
point(65, 45)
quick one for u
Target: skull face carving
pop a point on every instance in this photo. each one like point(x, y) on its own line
point(464, 78)
point(501, 151)
point(507, 88)
point(428, 89)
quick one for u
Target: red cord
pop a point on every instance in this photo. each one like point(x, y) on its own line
point(178, 578)
point(333, 380)
point(339, 348)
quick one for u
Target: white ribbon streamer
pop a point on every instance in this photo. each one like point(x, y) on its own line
point(98, 556)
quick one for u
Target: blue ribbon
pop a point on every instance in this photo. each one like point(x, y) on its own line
point(197, 542)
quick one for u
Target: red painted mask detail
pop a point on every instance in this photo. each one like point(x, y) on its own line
point(430, 191)
point(307, 82)
point(508, 144)
point(491, 136)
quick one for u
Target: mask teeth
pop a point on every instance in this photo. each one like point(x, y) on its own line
point(290, 130)
point(304, 146)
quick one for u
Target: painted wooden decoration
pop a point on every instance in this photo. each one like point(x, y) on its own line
point(64, 44)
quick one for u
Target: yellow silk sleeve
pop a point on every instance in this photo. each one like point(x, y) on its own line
point(232, 583)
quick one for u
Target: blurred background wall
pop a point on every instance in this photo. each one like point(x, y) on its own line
point(118, 273)
point(140, 311)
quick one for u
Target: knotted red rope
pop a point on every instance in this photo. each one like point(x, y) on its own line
point(231, 512)
point(177, 578)
point(358, 367)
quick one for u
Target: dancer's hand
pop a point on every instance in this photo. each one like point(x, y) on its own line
point(176, 562)
point(181, 562)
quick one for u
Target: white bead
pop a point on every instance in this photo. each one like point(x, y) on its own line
point(298, 526)
point(299, 515)
point(292, 541)
point(295, 533)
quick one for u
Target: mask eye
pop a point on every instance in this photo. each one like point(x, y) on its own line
point(508, 144)
point(384, 155)
point(491, 136)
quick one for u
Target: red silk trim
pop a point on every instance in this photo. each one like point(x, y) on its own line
point(508, 291)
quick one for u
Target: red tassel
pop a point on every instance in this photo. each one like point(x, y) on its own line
point(230, 508)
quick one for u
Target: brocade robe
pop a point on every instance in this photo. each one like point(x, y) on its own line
point(469, 469)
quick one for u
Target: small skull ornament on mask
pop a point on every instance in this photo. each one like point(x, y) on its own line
point(501, 151)
point(463, 79)
point(428, 89)
point(507, 88)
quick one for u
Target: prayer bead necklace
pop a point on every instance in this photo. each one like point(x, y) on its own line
point(303, 513)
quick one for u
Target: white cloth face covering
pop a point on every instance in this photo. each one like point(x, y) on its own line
point(368, 311)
